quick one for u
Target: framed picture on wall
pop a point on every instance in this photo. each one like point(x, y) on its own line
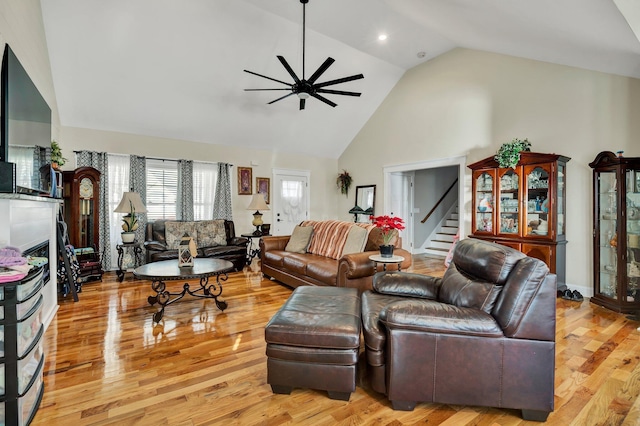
point(263, 186)
point(244, 181)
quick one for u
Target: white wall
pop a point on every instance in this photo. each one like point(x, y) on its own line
point(467, 103)
point(22, 28)
point(323, 170)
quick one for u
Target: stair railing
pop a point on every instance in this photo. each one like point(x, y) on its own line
point(439, 201)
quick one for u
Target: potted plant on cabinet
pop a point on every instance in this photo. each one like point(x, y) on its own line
point(57, 159)
point(509, 153)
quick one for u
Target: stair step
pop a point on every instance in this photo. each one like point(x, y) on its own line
point(444, 245)
point(452, 223)
point(445, 237)
point(436, 252)
point(448, 230)
point(454, 216)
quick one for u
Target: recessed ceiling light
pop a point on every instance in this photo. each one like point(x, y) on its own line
point(382, 37)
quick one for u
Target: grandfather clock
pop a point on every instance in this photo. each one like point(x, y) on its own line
point(82, 206)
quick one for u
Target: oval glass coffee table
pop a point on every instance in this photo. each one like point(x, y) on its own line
point(168, 270)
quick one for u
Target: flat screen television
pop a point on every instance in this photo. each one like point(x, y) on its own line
point(25, 128)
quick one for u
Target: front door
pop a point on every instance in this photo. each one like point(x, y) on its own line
point(290, 200)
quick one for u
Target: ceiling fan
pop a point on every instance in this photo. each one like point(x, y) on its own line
point(304, 87)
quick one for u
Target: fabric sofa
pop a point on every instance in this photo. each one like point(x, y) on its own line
point(483, 334)
point(213, 238)
point(334, 257)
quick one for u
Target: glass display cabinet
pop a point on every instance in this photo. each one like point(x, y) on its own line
point(616, 220)
point(82, 206)
point(523, 207)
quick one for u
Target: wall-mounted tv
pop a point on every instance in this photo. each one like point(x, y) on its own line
point(25, 127)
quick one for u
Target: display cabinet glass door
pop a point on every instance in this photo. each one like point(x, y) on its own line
point(633, 234)
point(607, 238)
point(509, 203)
point(484, 203)
point(561, 197)
point(537, 202)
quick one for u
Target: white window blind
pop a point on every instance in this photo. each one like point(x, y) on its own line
point(162, 189)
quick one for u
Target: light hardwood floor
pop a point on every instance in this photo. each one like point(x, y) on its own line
point(107, 363)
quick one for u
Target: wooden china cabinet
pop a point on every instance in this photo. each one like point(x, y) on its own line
point(616, 232)
point(523, 207)
point(82, 206)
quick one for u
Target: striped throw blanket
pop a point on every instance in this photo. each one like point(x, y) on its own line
point(328, 237)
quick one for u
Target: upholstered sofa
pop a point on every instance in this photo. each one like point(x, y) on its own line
point(483, 334)
point(337, 254)
point(213, 238)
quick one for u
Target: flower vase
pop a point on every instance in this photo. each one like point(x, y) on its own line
point(386, 251)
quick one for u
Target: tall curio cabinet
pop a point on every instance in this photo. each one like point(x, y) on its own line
point(82, 206)
point(523, 207)
point(616, 232)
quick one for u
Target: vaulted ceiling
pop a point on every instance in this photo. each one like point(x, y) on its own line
point(174, 69)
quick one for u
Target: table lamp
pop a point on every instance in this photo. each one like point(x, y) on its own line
point(257, 203)
point(131, 204)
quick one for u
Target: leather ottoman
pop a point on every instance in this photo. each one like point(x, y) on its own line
point(313, 341)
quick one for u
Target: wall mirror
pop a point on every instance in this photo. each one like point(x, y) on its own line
point(366, 200)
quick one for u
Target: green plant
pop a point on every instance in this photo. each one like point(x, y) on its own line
point(509, 153)
point(130, 221)
point(344, 182)
point(56, 154)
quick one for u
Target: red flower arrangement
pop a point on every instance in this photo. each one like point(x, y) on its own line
point(387, 224)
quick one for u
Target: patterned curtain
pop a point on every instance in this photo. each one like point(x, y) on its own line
point(184, 209)
point(100, 162)
point(138, 183)
point(222, 207)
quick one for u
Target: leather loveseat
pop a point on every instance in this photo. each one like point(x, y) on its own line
point(347, 270)
point(483, 334)
point(214, 238)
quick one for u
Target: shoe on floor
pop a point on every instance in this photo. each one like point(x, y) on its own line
point(576, 296)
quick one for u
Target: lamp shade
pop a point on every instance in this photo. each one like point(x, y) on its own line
point(258, 203)
point(131, 201)
point(356, 210)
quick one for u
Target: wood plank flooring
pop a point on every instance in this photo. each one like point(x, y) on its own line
point(108, 364)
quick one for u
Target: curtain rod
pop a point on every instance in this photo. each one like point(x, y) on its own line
point(160, 159)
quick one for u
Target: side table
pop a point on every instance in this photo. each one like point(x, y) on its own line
point(253, 249)
point(135, 248)
point(376, 258)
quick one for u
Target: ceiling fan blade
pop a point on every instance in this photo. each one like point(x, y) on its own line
point(268, 78)
point(323, 99)
point(339, 80)
point(326, 64)
point(280, 98)
point(257, 90)
point(286, 66)
point(302, 103)
point(338, 92)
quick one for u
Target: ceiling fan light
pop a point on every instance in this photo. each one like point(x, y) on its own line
point(303, 95)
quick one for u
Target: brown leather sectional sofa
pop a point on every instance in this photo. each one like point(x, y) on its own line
point(295, 269)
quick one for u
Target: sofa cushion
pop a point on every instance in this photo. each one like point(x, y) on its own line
point(328, 237)
point(356, 240)
point(296, 262)
point(300, 239)
point(175, 230)
point(211, 233)
point(459, 290)
point(218, 251)
point(323, 269)
point(274, 257)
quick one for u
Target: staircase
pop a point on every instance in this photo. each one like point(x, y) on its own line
point(440, 241)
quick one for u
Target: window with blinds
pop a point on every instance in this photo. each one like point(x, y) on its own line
point(162, 189)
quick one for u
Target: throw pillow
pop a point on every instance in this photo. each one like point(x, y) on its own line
point(174, 231)
point(356, 240)
point(211, 233)
point(299, 240)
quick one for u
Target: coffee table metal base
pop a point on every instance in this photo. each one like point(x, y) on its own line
point(165, 298)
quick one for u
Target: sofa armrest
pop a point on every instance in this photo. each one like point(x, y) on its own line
point(435, 317)
point(358, 265)
point(238, 241)
point(155, 245)
point(273, 243)
point(407, 284)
